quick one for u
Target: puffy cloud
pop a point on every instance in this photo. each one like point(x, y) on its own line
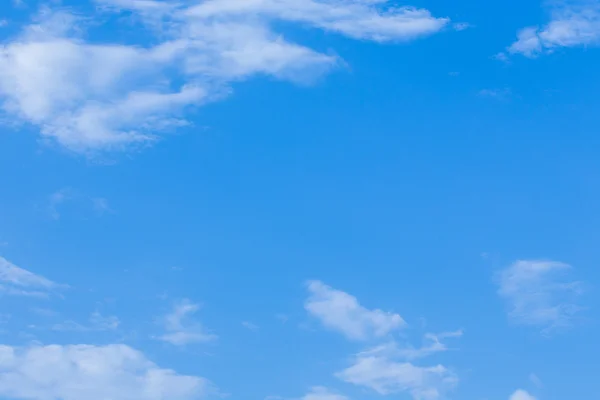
point(115, 372)
point(180, 329)
point(340, 311)
point(20, 282)
point(539, 293)
point(89, 96)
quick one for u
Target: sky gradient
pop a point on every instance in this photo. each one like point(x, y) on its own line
point(299, 199)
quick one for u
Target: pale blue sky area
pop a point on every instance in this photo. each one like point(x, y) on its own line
point(299, 200)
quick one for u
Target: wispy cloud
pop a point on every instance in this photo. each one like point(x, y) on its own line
point(499, 94)
point(91, 96)
point(536, 380)
point(250, 326)
point(69, 196)
point(323, 393)
point(181, 329)
point(20, 282)
point(97, 322)
point(340, 311)
point(116, 372)
point(572, 24)
point(539, 293)
point(432, 343)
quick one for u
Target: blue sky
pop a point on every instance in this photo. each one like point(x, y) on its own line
point(299, 199)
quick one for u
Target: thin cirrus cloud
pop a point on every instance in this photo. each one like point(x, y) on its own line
point(89, 96)
point(572, 24)
point(180, 327)
point(20, 282)
point(115, 371)
point(540, 293)
point(340, 311)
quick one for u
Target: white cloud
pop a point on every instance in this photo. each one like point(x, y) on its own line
point(539, 293)
point(20, 282)
point(342, 312)
point(572, 24)
point(89, 96)
point(521, 395)
point(386, 376)
point(181, 330)
point(115, 372)
point(322, 393)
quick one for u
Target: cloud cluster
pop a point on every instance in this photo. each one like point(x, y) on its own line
point(88, 95)
point(387, 368)
point(539, 293)
point(115, 372)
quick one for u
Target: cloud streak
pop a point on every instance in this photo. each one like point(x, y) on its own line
point(20, 282)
